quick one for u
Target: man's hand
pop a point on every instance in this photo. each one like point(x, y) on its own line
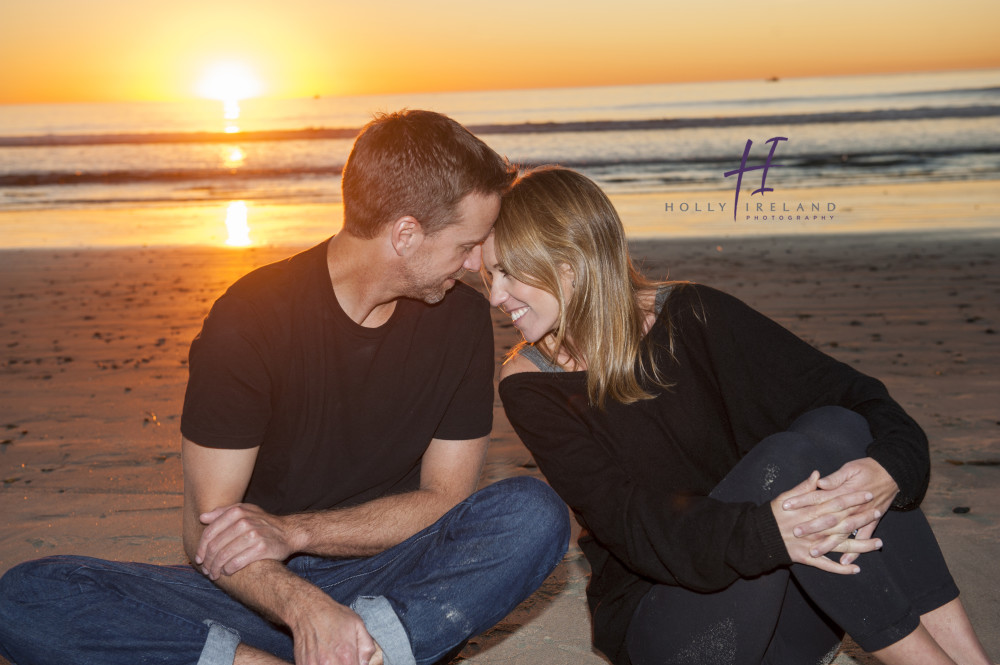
point(240, 534)
point(832, 499)
point(327, 633)
point(808, 548)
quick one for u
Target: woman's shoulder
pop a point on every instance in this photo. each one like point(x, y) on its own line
point(517, 363)
point(528, 359)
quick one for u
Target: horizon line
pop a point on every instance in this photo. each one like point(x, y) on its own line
point(446, 91)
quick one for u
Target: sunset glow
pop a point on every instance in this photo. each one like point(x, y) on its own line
point(66, 50)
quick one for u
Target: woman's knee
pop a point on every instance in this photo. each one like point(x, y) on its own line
point(777, 463)
point(821, 440)
point(835, 427)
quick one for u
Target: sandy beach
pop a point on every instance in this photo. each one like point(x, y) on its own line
point(94, 366)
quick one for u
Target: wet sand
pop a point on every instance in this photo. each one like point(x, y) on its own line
point(93, 367)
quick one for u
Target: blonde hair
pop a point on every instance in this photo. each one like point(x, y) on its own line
point(553, 217)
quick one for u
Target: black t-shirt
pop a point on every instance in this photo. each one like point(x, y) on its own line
point(342, 413)
point(638, 475)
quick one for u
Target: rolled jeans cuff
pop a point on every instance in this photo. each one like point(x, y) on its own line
point(385, 628)
point(220, 645)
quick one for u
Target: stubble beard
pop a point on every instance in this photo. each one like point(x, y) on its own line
point(430, 293)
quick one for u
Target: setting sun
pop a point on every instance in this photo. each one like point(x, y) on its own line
point(229, 82)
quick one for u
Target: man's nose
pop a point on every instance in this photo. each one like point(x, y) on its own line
point(475, 259)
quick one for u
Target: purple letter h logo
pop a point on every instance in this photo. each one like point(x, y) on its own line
point(744, 168)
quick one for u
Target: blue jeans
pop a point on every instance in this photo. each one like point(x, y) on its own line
point(419, 600)
point(798, 614)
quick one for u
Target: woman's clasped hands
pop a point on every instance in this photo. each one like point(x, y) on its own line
point(836, 513)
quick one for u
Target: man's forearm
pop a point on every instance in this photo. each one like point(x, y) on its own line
point(371, 527)
point(450, 471)
point(269, 588)
point(238, 534)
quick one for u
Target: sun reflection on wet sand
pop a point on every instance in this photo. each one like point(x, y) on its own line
point(237, 229)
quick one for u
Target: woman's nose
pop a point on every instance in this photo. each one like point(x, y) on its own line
point(497, 295)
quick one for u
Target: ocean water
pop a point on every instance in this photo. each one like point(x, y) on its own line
point(633, 139)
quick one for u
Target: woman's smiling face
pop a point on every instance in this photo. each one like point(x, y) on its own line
point(534, 312)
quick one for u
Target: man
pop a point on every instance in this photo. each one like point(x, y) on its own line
point(335, 424)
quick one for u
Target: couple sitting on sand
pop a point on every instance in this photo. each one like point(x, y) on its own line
point(730, 478)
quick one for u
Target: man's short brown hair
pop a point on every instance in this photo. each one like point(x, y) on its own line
point(417, 163)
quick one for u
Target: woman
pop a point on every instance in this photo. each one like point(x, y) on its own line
point(683, 429)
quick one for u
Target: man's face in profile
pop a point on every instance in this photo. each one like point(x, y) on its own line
point(443, 257)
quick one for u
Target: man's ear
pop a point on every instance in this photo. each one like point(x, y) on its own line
point(406, 234)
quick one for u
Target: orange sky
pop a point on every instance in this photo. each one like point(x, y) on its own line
point(101, 50)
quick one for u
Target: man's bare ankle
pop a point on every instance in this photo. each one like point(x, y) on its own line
point(378, 658)
point(246, 655)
